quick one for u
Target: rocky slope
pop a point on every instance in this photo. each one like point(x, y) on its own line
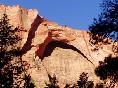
point(53, 49)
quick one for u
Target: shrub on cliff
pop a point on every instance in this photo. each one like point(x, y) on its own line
point(52, 82)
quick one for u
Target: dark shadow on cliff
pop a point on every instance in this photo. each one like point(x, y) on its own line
point(52, 45)
point(31, 34)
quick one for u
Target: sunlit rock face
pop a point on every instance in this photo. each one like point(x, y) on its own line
point(53, 49)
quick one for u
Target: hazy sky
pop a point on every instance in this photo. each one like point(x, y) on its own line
point(73, 13)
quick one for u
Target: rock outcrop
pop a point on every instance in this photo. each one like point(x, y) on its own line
point(53, 49)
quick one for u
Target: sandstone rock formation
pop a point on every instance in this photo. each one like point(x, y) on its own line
point(53, 49)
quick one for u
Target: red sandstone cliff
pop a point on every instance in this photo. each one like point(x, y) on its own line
point(54, 49)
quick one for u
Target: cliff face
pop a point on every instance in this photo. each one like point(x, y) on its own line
point(53, 49)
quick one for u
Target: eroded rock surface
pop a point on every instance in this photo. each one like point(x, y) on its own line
point(53, 49)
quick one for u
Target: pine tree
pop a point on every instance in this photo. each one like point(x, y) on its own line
point(9, 52)
point(106, 24)
point(108, 70)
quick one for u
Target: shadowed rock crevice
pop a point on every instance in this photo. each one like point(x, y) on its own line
point(52, 45)
point(27, 46)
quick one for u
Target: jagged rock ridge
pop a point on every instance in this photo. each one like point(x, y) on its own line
point(53, 49)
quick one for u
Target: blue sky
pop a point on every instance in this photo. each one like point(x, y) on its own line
point(77, 14)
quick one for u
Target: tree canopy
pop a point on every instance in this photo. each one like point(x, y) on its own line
point(108, 69)
point(106, 24)
point(12, 67)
